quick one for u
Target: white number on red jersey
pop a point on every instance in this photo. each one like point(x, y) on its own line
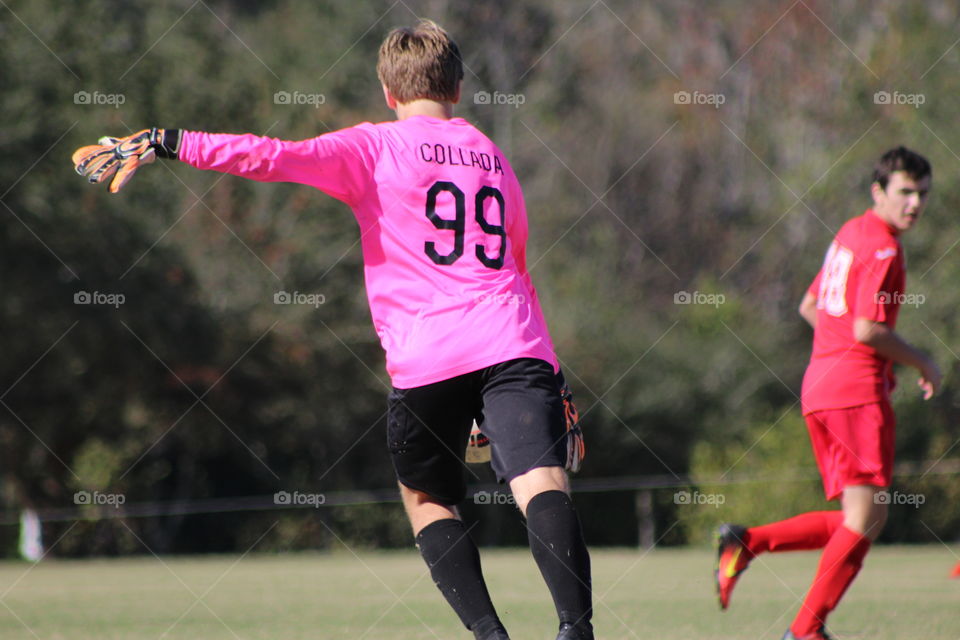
point(833, 280)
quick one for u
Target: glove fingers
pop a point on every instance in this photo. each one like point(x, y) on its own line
point(97, 165)
point(576, 445)
point(84, 153)
point(127, 168)
point(89, 158)
point(96, 161)
point(105, 171)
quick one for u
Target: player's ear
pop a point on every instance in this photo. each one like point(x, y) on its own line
point(388, 97)
point(877, 192)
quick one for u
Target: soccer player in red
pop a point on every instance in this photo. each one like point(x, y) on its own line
point(852, 306)
point(443, 230)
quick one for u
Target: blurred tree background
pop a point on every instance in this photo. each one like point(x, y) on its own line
point(665, 149)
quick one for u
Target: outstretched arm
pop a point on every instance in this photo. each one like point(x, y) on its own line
point(339, 163)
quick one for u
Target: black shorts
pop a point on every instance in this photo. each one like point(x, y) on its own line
point(517, 401)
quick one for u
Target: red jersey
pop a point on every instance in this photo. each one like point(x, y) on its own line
point(863, 276)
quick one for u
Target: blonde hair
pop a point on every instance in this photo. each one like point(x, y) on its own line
point(422, 62)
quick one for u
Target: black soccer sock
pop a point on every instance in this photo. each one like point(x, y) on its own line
point(454, 563)
point(556, 541)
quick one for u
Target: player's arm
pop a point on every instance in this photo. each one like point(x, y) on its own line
point(339, 163)
point(335, 163)
point(808, 308)
point(889, 344)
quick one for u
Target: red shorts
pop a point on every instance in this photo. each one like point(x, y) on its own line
point(853, 446)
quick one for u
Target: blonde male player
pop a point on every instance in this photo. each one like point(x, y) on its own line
point(444, 230)
point(852, 306)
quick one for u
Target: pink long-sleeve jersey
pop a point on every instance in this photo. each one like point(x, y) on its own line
point(443, 228)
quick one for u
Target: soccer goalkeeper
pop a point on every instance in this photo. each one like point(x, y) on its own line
point(444, 230)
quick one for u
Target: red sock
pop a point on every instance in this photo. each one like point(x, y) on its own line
point(806, 531)
point(956, 571)
point(839, 564)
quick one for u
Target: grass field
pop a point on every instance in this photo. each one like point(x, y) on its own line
point(902, 593)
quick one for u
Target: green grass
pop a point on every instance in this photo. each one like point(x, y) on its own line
point(903, 592)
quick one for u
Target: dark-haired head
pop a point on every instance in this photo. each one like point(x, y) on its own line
point(900, 159)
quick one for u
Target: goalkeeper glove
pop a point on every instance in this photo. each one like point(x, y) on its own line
point(121, 157)
point(576, 446)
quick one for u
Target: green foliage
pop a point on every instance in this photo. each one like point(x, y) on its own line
point(775, 456)
point(198, 386)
